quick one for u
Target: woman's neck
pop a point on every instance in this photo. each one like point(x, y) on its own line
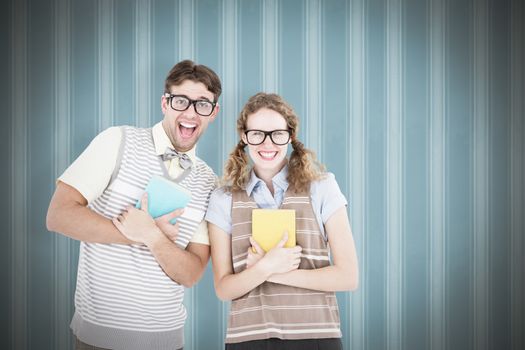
point(267, 175)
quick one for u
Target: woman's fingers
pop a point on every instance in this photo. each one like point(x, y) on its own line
point(283, 240)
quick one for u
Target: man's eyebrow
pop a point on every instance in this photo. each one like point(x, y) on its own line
point(204, 98)
point(198, 98)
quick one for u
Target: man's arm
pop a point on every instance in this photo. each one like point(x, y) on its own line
point(184, 266)
point(69, 215)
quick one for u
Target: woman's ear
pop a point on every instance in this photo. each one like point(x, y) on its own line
point(243, 139)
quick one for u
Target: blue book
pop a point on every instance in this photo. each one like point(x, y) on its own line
point(164, 196)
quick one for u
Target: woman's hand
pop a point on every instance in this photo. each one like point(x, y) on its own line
point(254, 257)
point(280, 259)
point(343, 274)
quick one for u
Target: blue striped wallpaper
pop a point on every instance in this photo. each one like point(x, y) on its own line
point(417, 106)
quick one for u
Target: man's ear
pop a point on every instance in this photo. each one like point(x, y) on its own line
point(215, 112)
point(163, 104)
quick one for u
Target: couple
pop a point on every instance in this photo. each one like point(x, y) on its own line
point(133, 269)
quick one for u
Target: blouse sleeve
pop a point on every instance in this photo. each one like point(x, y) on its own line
point(219, 210)
point(328, 196)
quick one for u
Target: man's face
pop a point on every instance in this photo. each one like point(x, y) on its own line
point(184, 128)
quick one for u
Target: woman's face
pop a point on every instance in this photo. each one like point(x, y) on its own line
point(267, 156)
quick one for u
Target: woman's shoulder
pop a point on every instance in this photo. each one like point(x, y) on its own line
point(325, 181)
point(221, 193)
point(326, 188)
point(327, 196)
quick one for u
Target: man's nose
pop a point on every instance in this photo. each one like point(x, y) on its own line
point(190, 112)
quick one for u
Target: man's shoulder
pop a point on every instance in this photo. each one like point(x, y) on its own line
point(202, 166)
point(134, 129)
point(136, 137)
point(122, 131)
point(205, 172)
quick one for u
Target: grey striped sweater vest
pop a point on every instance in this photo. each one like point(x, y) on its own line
point(123, 299)
point(279, 311)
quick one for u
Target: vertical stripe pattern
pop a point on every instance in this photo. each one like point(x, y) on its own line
point(351, 69)
point(186, 31)
point(436, 228)
point(106, 44)
point(270, 46)
point(356, 173)
point(394, 168)
point(313, 48)
point(230, 105)
point(18, 228)
point(517, 174)
point(480, 172)
point(143, 64)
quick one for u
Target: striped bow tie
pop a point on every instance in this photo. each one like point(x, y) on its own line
point(184, 161)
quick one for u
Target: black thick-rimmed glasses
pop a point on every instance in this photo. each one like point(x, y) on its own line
point(278, 137)
point(182, 102)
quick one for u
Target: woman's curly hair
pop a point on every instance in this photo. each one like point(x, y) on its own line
point(303, 167)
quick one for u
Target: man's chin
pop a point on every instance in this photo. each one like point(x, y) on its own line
point(184, 145)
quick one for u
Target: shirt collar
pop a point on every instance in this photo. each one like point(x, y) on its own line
point(161, 141)
point(279, 181)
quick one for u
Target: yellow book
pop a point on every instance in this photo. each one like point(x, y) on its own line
point(268, 226)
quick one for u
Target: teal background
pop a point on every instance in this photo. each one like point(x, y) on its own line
point(417, 106)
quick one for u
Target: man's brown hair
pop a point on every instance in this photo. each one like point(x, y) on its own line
point(189, 70)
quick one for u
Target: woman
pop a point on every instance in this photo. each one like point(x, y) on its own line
point(283, 298)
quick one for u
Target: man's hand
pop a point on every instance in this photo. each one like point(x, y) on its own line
point(136, 224)
point(170, 230)
point(184, 266)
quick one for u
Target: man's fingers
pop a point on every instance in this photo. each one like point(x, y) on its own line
point(117, 223)
point(171, 231)
point(171, 215)
point(144, 202)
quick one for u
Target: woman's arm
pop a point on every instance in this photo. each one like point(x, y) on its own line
point(229, 285)
point(343, 274)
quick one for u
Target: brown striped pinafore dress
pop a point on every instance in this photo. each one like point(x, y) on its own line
point(278, 311)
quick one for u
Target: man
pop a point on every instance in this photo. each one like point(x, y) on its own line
point(130, 288)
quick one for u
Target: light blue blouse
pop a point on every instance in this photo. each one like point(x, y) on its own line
point(325, 196)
